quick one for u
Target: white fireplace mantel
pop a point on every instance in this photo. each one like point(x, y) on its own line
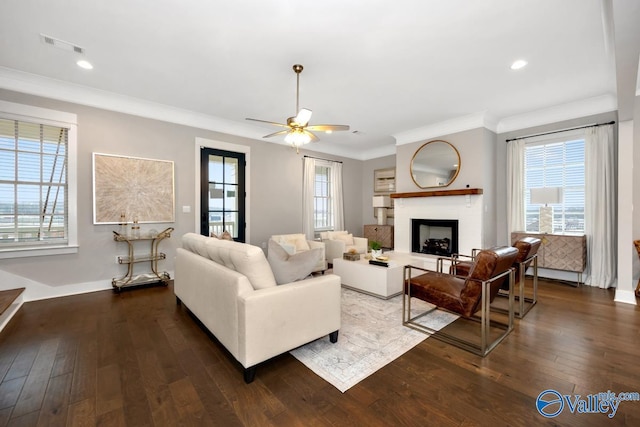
point(465, 205)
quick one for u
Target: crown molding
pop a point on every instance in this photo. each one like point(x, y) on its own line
point(559, 113)
point(458, 124)
point(45, 87)
point(33, 84)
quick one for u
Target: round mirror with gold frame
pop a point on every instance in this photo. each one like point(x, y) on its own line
point(435, 164)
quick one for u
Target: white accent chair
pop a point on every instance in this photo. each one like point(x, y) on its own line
point(338, 242)
point(295, 243)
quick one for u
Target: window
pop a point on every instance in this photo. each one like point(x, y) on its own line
point(37, 181)
point(322, 199)
point(557, 163)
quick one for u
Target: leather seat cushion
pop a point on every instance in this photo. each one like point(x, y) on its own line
point(443, 290)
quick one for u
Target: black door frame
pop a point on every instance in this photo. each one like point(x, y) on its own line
point(205, 152)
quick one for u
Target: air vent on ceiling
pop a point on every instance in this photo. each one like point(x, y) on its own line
point(60, 44)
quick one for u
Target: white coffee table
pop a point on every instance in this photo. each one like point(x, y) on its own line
point(382, 282)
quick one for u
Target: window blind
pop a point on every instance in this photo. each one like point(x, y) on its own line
point(33, 183)
point(557, 164)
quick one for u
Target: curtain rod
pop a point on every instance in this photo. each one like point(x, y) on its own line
point(320, 158)
point(558, 131)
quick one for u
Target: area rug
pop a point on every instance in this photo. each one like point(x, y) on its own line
point(371, 336)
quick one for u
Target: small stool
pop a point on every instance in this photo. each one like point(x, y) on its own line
point(637, 244)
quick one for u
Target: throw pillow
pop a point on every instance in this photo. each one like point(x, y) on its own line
point(346, 238)
point(213, 235)
point(333, 235)
point(226, 236)
point(290, 268)
point(302, 245)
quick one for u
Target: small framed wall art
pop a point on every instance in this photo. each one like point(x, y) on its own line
point(384, 180)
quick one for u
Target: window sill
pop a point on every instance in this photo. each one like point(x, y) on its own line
point(9, 253)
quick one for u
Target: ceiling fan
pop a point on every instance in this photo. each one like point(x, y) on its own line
point(298, 131)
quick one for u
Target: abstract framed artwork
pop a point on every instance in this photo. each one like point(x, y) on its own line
point(134, 187)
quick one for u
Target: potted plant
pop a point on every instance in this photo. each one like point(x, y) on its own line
point(376, 248)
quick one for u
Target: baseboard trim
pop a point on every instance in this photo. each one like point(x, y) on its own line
point(627, 297)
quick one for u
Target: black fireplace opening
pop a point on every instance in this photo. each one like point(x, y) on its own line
point(434, 236)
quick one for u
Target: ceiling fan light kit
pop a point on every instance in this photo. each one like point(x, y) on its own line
point(299, 132)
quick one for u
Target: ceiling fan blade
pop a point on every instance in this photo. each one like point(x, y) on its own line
point(311, 135)
point(303, 117)
point(324, 128)
point(266, 121)
point(281, 132)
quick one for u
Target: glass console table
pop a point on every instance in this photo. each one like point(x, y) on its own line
point(129, 279)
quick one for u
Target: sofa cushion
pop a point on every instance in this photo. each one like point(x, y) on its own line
point(334, 235)
point(346, 238)
point(195, 243)
point(297, 242)
point(246, 259)
point(290, 268)
point(302, 245)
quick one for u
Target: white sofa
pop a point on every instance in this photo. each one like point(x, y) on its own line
point(297, 242)
point(338, 242)
point(229, 286)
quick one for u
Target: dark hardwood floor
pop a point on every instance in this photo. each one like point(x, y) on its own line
point(137, 359)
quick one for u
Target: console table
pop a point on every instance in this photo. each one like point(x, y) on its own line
point(559, 251)
point(152, 257)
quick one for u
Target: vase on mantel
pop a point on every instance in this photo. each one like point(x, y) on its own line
point(375, 253)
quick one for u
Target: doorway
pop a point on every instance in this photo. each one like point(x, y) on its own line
point(222, 193)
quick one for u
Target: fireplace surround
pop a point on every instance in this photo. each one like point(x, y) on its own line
point(467, 206)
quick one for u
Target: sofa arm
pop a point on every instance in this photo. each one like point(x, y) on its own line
point(275, 320)
point(334, 249)
point(322, 262)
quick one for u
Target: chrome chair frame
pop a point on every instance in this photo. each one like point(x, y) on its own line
point(525, 303)
point(485, 321)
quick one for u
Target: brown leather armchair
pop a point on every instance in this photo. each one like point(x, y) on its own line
point(527, 257)
point(465, 296)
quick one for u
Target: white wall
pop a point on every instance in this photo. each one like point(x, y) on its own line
point(625, 249)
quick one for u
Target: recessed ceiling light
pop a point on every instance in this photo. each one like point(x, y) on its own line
point(328, 131)
point(520, 63)
point(83, 63)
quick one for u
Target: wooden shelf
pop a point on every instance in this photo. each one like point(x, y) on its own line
point(437, 193)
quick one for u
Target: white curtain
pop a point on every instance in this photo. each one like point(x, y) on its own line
point(337, 196)
point(600, 206)
point(308, 192)
point(515, 186)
